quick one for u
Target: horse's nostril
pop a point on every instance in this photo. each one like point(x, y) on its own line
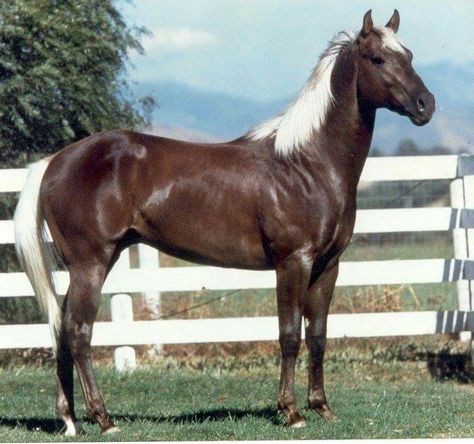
point(420, 104)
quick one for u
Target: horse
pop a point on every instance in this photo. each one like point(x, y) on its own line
point(281, 197)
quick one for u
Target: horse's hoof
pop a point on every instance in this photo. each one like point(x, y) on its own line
point(296, 421)
point(111, 430)
point(298, 424)
point(71, 432)
point(72, 428)
point(326, 414)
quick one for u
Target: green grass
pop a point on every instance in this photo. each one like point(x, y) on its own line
point(362, 248)
point(184, 404)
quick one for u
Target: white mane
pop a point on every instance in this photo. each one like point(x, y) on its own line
point(305, 116)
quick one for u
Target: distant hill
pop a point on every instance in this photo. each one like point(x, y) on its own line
point(213, 113)
point(220, 116)
point(176, 132)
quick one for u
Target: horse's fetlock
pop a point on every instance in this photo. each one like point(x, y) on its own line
point(317, 402)
point(62, 409)
point(286, 402)
point(96, 409)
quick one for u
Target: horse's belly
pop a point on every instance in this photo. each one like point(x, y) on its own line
point(206, 237)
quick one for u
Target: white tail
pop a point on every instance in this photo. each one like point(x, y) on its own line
point(31, 248)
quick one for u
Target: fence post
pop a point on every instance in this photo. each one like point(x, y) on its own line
point(463, 241)
point(122, 311)
point(469, 202)
point(121, 307)
point(148, 258)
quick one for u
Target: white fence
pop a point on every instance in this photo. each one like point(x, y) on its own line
point(149, 278)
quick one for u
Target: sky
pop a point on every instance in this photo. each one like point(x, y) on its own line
point(265, 49)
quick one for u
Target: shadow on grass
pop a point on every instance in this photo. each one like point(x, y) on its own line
point(454, 367)
point(53, 426)
point(202, 416)
point(46, 425)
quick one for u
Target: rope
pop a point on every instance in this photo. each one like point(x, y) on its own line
point(406, 193)
point(193, 307)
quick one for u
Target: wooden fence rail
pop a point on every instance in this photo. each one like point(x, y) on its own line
point(150, 279)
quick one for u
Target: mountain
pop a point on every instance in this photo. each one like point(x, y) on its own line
point(186, 134)
point(220, 116)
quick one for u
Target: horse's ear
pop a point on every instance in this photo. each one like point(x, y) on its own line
point(368, 23)
point(394, 22)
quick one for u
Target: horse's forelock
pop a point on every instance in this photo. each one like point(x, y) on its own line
point(390, 40)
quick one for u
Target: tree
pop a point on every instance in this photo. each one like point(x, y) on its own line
point(375, 151)
point(62, 74)
point(408, 147)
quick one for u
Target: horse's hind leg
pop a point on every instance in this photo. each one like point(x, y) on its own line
point(64, 383)
point(81, 310)
point(318, 299)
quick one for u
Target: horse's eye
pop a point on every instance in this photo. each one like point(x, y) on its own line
point(377, 60)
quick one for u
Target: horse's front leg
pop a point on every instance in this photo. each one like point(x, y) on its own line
point(292, 283)
point(318, 299)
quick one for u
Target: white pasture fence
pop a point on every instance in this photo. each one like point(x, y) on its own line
point(150, 279)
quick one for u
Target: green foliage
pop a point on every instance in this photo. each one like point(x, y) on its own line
point(62, 74)
point(408, 147)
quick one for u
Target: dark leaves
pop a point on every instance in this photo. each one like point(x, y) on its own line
point(62, 74)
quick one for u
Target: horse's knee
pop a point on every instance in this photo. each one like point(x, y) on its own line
point(290, 343)
point(316, 343)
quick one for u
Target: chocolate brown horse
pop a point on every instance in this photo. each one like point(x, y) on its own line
point(281, 197)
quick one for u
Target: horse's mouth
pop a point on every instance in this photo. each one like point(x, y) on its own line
point(419, 121)
point(418, 118)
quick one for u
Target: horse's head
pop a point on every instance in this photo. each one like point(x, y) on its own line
point(386, 75)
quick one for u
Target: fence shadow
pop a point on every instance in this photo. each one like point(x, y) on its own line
point(446, 366)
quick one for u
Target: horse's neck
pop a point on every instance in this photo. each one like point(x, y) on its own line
point(344, 140)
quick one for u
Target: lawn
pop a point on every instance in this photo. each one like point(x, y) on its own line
point(165, 402)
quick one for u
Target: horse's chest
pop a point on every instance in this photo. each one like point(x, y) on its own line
point(312, 227)
point(333, 230)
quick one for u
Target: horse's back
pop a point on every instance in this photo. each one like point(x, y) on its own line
point(188, 199)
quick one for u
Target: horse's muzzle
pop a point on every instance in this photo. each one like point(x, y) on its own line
point(424, 108)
